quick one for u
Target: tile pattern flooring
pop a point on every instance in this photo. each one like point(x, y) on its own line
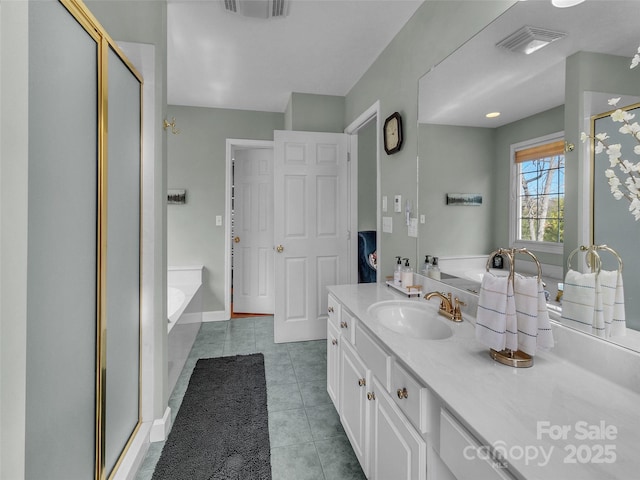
point(307, 439)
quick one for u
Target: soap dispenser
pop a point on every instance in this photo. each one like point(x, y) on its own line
point(434, 272)
point(407, 274)
point(427, 265)
point(397, 273)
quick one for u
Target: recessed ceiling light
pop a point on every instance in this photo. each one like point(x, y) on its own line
point(565, 3)
point(492, 114)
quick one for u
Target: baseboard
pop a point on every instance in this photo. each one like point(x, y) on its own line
point(161, 427)
point(218, 316)
point(128, 468)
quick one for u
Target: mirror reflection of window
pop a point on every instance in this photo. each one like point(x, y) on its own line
point(538, 180)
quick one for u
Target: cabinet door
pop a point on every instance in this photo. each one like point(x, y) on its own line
point(333, 364)
point(396, 449)
point(353, 403)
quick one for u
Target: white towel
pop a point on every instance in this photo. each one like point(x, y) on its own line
point(526, 300)
point(545, 335)
point(578, 300)
point(491, 320)
point(612, 302)
point(598, 310)
point(511, 331)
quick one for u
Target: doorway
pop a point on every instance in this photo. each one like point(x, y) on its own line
point(250, 165)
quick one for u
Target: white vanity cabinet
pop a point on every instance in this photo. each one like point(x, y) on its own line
point(386, 442)
point(396, 449)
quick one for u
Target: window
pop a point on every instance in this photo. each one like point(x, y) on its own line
point(537, 215)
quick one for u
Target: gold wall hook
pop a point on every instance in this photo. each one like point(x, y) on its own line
point(569, 147)
point(166, 124)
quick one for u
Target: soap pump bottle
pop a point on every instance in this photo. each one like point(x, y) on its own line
point(407, 274)
point(427, 265)
point(435, 270)
point(397, 273)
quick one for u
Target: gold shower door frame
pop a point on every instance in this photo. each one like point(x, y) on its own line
point(104, 44)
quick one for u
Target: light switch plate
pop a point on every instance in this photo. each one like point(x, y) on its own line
point(423, 220)
point(387, 224)
point(384, 203)
point(218, 220)
point(412, 231)
point(397, 203)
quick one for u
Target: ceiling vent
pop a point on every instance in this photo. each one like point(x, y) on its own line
point(258, 8)
point(529, 39)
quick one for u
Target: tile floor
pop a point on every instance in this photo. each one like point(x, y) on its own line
point(307, 439)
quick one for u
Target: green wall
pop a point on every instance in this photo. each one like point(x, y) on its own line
point(197, 162)
point(427, 38)
point(367, 177)
point(544, 123)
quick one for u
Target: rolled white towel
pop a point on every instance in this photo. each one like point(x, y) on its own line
point(491, 320)
point(578, 300)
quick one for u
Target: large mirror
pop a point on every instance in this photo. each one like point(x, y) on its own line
point(556, 89)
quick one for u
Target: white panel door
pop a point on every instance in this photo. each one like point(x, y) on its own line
point(311, 215)
point(253, 252)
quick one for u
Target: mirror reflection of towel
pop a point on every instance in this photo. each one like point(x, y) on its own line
point(579, 300)
point(613, 310)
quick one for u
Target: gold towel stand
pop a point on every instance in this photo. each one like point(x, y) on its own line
point(516, 359)
point(592, 258)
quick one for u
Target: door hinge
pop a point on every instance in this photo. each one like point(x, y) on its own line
point(348, 234)
point(348, 156)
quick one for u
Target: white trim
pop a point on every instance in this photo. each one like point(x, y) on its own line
point(132, 462)
point(215, 316)
point(161, 427)
point(546, 247)
point(370, 114)
point(231, 144)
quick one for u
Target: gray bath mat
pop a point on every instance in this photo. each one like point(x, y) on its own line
point(221, 430)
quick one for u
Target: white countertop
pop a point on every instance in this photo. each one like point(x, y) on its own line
point(505, 407)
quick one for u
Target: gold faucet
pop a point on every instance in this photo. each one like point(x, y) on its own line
point(448, 308)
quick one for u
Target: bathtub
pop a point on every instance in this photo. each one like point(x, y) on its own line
point(184, 312)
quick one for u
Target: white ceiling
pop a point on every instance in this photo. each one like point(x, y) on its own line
point(219, 59)
point(480, 77)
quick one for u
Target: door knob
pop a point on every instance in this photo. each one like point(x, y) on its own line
point(236, 239)
point(279, 249)
point(402, 393)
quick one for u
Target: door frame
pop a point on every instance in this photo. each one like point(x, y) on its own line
point(371, 114)
point(231, 145)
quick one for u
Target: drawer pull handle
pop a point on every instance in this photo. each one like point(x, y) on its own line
point(343, 325)
point(330, 309)
point(362, 382)
point(371, 396)
point(402, 393)
point(334, 342)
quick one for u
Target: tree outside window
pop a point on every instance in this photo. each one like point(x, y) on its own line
point(540, 177)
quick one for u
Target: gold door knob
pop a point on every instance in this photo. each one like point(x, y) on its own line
point(236, 239)
point(402, 393)
point(279, 249)
point(343, 324)
point(371, 396)
point(334, 342)
point(362, 382)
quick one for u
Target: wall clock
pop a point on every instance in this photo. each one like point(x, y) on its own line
point(392, 133)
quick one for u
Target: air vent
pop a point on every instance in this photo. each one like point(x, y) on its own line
point(529, 39)
point(258, 8)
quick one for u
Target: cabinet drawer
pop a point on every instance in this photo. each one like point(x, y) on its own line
point(375, 357)
point(410, 396)
point(459, 451)
point(347, 325)
point(333, 311)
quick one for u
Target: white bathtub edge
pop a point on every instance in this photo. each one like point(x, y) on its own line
point(215, 316)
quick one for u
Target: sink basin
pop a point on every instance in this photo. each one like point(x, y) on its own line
point(411, 318)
